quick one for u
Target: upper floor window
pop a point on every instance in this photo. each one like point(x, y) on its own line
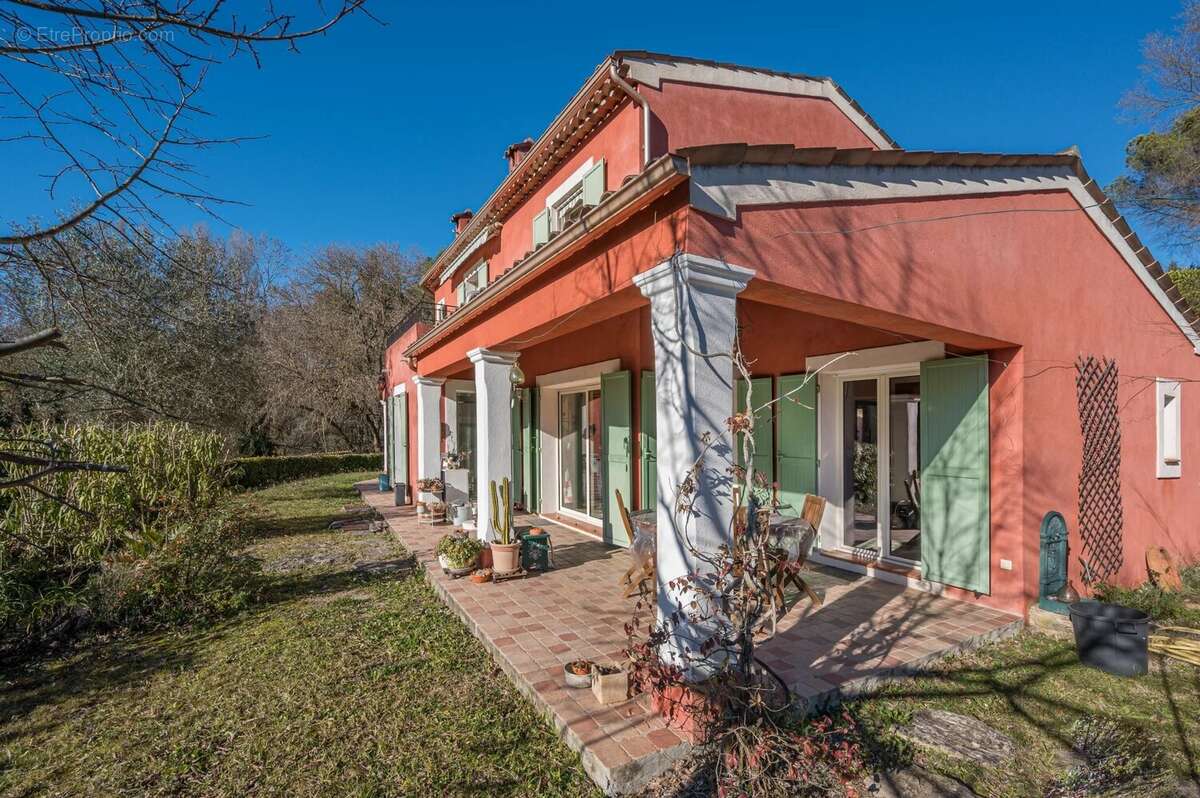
point(439, 311)
point(472, 284)
point(562, 212)
point(583, 189)
point(1168, 396)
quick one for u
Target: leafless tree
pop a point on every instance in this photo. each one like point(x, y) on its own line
point(110, 89)
point(107, 91)
point(321, 343)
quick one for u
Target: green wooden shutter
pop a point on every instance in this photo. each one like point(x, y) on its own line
point(797, 440)
point(955, 522)
point(462, 294)
point(593, 184)
point(518, 453)
point(764, 429)
point(534, 448)
point(615, 410)
point(392, 443)
point(483, 275)
point(649, 444)
point(527, 448)
point(541, 228)
point(400, 458)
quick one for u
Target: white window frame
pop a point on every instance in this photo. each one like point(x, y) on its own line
point(470, 278)
point(1168, 415)
point(559, 199)
point(560, 209)
point(439, 311)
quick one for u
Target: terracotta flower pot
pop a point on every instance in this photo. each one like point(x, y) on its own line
point(506, 558)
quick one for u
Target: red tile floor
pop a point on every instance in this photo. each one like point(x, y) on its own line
point(866, 631)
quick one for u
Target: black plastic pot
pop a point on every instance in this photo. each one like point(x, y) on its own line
point(401, 494)
point(1111, 637)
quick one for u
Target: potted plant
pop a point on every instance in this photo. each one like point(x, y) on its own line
point(455, 460)
point(610, 683)
point(578, 674)
point(505, 547)
point(457, 554)
point(429, 485)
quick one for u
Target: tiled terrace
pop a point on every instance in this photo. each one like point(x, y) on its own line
point(866, 631)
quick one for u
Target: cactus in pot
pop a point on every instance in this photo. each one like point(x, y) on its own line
point(505, 549)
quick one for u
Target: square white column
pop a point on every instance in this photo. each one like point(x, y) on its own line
point(693, 323)
point(493, 428)
point(429, 429)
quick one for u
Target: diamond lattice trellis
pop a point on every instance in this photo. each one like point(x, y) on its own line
point(1101, 516)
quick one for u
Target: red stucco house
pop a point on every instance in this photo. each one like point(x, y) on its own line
point(939, 301)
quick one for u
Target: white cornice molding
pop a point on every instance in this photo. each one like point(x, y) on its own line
point(482, 355)
point(725, 190)
point(428, 381)
point(653, 71)
point(696, 271)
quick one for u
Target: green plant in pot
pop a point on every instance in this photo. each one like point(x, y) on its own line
point(458, 553)
point(506, 551)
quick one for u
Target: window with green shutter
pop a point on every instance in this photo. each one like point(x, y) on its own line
point(797, 416)
point(593, 185)
point(541, 228)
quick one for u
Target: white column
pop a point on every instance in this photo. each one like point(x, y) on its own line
point(429, 429)
point(693, 304)
point(493, 428)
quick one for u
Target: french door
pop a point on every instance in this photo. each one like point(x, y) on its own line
point(580, 453)
point(881, 465)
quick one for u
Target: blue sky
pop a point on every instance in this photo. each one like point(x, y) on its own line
point(379, 133)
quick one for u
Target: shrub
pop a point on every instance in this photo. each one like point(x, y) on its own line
point(1165, 606)
point(256, 472)
point(100, 523)
point(459, 551)
point(196, 575)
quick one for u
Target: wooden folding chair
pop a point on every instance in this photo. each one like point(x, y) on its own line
point(644, 566)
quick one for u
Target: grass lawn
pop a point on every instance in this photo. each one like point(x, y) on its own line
point(348, 678)
point(1033, 688)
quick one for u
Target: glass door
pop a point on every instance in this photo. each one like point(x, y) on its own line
point(881, 461)
point(860, 460)
point(904, 468)
point(580, 481)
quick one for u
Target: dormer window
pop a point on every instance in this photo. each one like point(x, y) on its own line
point(472, 284)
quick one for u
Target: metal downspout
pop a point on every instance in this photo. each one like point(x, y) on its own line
point(641, 101)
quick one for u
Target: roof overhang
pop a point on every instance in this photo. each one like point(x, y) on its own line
point(726, 178)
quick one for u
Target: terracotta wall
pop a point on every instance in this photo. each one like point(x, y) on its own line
point(1050, 284)
point(687, 115)
point(618, 142)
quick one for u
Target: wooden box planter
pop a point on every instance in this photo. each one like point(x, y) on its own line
point(611, 687)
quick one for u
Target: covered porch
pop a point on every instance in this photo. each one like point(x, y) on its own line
point(616, 397)
point(866, 631)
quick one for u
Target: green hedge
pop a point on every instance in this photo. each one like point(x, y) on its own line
point(254, 472)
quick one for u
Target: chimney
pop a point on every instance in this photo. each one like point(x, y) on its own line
point(461, 219)
point(517, 152)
